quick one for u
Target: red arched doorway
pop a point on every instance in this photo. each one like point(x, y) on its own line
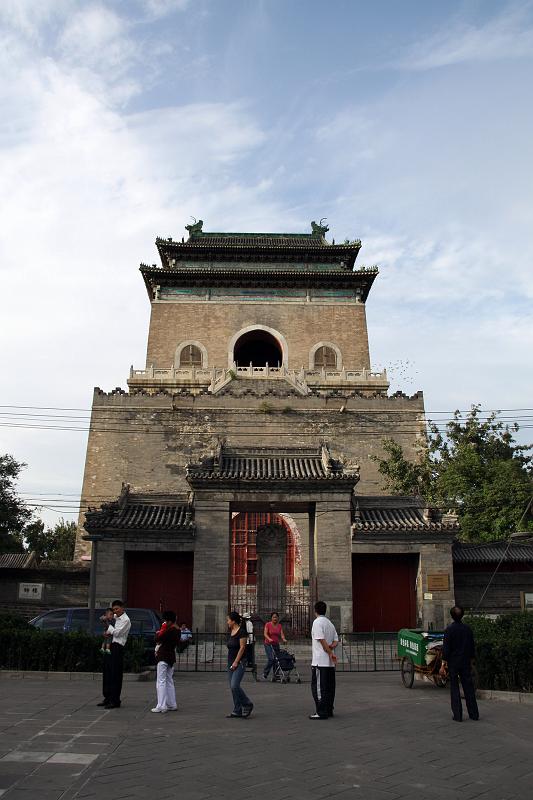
point(243, 547)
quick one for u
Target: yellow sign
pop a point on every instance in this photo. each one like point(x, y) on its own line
point(438, 583)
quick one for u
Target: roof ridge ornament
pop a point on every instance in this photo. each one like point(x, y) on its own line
point(319, 230)
point(195, 228)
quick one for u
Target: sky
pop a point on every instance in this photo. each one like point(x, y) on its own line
point(408, 125)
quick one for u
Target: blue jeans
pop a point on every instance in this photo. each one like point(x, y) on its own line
point(270, 650)
point(240, 698)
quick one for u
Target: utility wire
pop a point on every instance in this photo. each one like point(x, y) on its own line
point(502, 559)
point(377, 411)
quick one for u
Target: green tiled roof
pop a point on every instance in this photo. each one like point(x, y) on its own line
point(257, 239)
point(292, 255)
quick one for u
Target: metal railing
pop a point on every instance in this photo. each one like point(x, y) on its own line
point(375, 651)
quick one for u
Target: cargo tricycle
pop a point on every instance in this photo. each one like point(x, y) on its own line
point(420, 652)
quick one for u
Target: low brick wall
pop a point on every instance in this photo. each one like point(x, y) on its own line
point(62, 586)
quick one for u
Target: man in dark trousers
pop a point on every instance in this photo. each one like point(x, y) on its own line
point(457, 654)
point(118, 632)
point(324, 641)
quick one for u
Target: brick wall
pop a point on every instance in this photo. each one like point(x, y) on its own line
point(214, 324)
point(503, 595)
point(146, 441)
point(61, 588)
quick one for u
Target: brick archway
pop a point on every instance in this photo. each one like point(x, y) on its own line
point(243, 559)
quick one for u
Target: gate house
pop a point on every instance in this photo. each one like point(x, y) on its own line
point(236, 471)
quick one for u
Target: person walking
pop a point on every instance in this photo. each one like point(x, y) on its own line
point(272, 633)
point(167, 638)
point(458, 653)
point(236, 643)
point(324, 641)
point(118, 632)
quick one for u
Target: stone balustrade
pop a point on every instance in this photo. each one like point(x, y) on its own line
point(215, 378)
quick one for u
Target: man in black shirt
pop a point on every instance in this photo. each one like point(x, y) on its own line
point(458, 653)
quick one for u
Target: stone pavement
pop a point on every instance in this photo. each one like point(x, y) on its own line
point(385, 742)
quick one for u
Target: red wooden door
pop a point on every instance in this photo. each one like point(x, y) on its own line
point(161, 581)
point(384, 592)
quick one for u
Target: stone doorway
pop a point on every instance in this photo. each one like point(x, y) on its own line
point(269, 569)
point(257, 348)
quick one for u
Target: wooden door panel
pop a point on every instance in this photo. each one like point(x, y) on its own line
point(162, 581)
point(384, 592)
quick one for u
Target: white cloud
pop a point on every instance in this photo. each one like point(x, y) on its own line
point(84, 190)
point(508, 35)
point(96, 38)
point(161, 8)
point(29, 18)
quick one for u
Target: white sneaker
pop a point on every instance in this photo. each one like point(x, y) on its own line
point(159, 710)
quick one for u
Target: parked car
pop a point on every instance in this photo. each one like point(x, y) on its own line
point(144, 622)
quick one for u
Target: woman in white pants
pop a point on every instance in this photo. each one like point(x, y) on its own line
point(167, 638)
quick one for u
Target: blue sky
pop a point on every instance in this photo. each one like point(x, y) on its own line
point(406, 124)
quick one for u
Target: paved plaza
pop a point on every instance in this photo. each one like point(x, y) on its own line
point(385, 742)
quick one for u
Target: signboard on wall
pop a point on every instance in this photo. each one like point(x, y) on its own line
point(31, 591)
point(439, 583)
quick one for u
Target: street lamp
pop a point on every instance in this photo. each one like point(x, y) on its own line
point(94, 539)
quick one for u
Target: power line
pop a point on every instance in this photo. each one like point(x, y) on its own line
point(377, 411)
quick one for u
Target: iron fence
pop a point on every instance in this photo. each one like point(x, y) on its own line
point(374, 651)
point(292, 602)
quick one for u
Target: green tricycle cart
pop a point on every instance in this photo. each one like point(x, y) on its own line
point(420, 652)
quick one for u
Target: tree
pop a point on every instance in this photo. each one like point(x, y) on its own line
point(14, 514)
point(51, 544)
point(476, 468)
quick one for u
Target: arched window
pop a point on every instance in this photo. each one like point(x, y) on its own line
point(191, 356)
point(325, 357)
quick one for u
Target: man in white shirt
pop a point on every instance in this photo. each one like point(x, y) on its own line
point(118, 632)
point(324, 641)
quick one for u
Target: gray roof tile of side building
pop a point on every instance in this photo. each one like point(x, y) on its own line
point(374, 514)
point(17, 560)
point(146, 512)
point(492, 552)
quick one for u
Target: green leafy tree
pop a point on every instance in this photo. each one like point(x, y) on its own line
point(14, 514)
point(475, 467)
point(51, 544)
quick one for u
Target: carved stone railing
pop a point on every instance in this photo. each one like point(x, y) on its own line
point(150, 375)
point(338, 377)
point(215, 378)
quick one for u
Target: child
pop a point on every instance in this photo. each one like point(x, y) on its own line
point(166, 624)
point(185, 637)
point(107, 619)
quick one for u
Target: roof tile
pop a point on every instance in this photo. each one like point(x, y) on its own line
point(492, 552)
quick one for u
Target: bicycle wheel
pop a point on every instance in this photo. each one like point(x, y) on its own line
point(407, 668)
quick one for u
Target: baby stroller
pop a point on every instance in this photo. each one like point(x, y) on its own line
point(284, 664)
